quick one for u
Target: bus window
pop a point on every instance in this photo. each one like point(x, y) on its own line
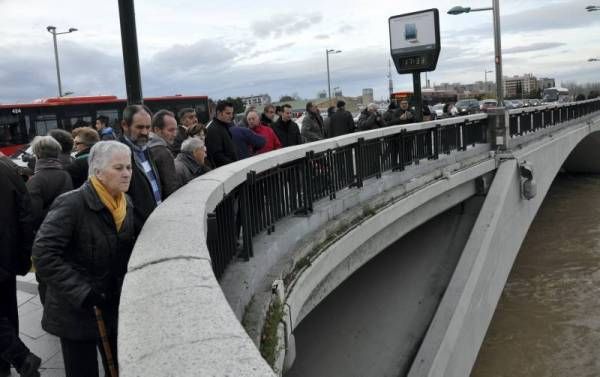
point(112, 115)
point(45, 123)
point(10, 132)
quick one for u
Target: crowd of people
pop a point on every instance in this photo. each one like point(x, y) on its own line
point(75, 220)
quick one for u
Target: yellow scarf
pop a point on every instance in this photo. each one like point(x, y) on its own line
point(117, 207)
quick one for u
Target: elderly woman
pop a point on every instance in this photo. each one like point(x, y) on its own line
point(49, 179)
point(81, 251)
point(189, 164)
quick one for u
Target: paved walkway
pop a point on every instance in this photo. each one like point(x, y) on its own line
point(39, 342)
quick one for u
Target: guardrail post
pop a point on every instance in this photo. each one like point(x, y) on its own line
point(212, 241)
point(307, 184)
point(246, 215)
point(359, 155)
point(500, 128)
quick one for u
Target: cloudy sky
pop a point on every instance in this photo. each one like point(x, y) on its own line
point(236, 48)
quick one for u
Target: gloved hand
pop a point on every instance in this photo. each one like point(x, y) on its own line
point(94, 298)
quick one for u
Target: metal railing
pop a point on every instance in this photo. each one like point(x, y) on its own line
point(529, 120)
point(266, 197)
point(291, 189)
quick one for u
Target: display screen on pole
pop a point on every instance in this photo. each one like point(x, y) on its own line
point(415, 40)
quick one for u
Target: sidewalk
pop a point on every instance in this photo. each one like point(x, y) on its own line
point(46, 346)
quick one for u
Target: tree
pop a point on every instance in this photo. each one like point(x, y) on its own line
point(238, 104)
point(286, 98)
point(593, 94)
point(580, 97)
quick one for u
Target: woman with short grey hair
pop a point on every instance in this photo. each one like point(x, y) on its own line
point(49, 180)
point(81, 252)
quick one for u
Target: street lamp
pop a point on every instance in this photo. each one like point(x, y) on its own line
point(495, 8)
point(486, 72)
point(52, 30)
point(327, 53)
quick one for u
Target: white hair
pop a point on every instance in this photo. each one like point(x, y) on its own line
point(102, 152)
point(191, 144)
point(45, 147)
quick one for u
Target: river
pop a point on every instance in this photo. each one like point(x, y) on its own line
point(547, 322)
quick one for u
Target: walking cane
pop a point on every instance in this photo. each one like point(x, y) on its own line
point(105, 344)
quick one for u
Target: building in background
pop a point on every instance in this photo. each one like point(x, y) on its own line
point(259, 100)
point(367, 96)
point(521, 86)
point(337, 92)
point(322, 94)
point(545, 82)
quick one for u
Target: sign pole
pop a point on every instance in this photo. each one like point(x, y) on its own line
point(418, 96)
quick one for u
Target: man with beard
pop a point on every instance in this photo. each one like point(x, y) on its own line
point(164, 131)
point(286, 129)
point(145, 182)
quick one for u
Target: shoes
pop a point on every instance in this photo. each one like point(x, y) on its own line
point(30, 366)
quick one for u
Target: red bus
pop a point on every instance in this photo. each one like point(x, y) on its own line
point(20, 123)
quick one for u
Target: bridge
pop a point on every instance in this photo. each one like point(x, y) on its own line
point(226, 270)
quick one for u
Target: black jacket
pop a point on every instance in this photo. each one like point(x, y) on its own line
point(79, 168)
point(162, 157)
point(16, 230)
point(370, 121)
point(288, 133)
point(188, 168)
point(219, 144)
point(47, 183)
point(179, 139)
point(266, 120)
point(78, 249)
point(341, 123)
point(140, 189)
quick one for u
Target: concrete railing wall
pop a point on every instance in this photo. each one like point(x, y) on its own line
point(174, 319)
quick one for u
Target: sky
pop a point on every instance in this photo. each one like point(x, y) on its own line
point(241, 48)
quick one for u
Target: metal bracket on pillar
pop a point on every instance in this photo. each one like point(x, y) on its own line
point(500, 127)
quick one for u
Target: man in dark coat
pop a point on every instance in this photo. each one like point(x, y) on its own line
point(16, 236)
point(219, 142)
point(341, 122)
point(370, 119)
point(187, 119)
point(145, 181)
point(286, 129)
point(312, 124)
point(84, 139)
point(164, 127)
point(268, 115)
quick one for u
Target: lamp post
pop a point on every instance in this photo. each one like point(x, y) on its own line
point(495, 8)
point(327, 53)
point(52, 30)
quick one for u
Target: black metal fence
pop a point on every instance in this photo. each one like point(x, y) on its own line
point(265, 197)
point(528, 121)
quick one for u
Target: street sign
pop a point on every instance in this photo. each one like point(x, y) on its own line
point(415, 41)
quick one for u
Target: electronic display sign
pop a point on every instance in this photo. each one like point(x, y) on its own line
point(415, 41)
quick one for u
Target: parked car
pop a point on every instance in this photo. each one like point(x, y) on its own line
point(467, 106)
point(438, 110)
point(488, 104)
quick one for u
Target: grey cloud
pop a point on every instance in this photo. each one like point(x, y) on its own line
point(276, 27)
point(532, 47)
point(546, 16)
point(257, 53)
point(204, 54)
point(322, 36)
point(28, 72)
